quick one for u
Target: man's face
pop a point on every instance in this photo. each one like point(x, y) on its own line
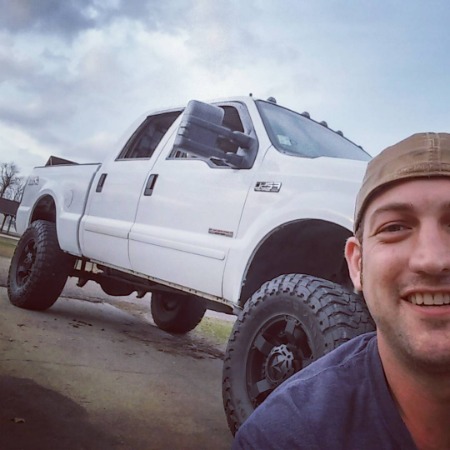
point(403, 269)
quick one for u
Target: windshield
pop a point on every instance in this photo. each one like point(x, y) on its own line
point(298, 135)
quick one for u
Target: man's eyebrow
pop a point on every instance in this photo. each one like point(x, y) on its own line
point(394, 207)
point(400, 207)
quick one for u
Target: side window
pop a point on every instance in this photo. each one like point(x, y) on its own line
point(146, 138)
point(232, 121)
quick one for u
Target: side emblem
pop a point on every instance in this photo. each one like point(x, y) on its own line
point(221, 232)
point(268, 186)
point(33, 180)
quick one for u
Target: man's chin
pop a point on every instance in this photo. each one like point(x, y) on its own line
point(427, 351)
point(428, 357)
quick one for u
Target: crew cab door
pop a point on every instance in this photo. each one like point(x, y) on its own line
point(187, 223)
point(117, 189)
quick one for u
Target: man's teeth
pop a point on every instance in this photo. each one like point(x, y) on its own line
point(430, 299)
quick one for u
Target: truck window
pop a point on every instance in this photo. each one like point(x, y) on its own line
point(232, 121)
point(297, 135)
point(146, 138)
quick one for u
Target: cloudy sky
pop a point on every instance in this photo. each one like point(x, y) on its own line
point(74, 74)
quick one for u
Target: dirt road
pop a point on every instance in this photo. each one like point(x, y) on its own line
point(90, 375)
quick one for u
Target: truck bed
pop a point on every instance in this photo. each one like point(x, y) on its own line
point(67, 186)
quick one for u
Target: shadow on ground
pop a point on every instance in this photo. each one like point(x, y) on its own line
point(27, 409)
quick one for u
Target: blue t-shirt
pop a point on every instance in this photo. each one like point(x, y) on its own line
point(341, 401)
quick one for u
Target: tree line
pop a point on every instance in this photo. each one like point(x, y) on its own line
point(11, 185)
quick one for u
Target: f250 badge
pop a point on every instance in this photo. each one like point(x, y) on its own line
point(268, 186)
point(33, 181)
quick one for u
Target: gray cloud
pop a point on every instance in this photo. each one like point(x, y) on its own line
point(12, 68)
point(46, 16)
point(68, 18)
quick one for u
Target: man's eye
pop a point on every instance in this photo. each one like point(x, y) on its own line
point(392, 228)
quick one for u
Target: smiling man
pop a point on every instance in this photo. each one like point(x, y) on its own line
point(389, 389)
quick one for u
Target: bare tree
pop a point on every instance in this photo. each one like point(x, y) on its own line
point(8, 177)
point(17, 190)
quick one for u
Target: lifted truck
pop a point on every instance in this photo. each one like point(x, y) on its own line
point(239, 205)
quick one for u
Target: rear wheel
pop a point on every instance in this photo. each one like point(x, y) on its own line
point(39, 268)
point(288, 323)
point(177, 313)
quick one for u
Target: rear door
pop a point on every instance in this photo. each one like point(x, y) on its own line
point(116, 191)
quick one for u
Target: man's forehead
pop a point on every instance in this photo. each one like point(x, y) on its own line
point(408, 195)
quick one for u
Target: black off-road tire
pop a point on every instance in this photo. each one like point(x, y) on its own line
point(288, 323)
point(177, 313)
point(39, 268)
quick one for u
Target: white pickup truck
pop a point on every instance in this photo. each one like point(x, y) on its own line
point(240, 206)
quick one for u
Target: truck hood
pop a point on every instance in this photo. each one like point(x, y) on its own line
point(338, 168)
point(347, 170)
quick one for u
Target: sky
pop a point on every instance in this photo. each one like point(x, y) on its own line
point(75, 74)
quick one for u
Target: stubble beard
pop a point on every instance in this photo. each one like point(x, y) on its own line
point(401, 342)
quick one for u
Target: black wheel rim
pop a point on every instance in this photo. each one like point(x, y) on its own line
point(25, 263)
point(279, 350)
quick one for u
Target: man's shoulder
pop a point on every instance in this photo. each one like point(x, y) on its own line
point(332, 378)
point(346, 359)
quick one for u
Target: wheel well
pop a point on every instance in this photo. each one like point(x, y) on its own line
point(312, 247)
point(45, 209)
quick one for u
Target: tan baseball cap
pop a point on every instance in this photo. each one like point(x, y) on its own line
point(421, 155)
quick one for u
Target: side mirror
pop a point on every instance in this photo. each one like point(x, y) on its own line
point(199, 132)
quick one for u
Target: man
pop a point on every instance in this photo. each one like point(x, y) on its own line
point(389, 389)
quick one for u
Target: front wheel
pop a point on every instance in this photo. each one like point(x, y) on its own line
point(38, 269)
point(177, 313)
point(288, 323)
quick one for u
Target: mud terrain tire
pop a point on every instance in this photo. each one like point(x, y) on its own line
point(38, 269)
point(288, 323)
point(177, 313)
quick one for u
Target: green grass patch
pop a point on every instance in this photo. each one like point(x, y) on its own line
point(7, 246)
point(215, 329)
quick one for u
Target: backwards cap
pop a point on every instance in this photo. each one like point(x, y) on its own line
point(422, 155)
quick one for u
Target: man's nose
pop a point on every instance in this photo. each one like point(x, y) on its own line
point(431, 251)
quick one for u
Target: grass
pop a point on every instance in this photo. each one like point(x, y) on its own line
point(7, 247)
point(215, 329)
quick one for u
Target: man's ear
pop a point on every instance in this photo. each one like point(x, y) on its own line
point(353, 255)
